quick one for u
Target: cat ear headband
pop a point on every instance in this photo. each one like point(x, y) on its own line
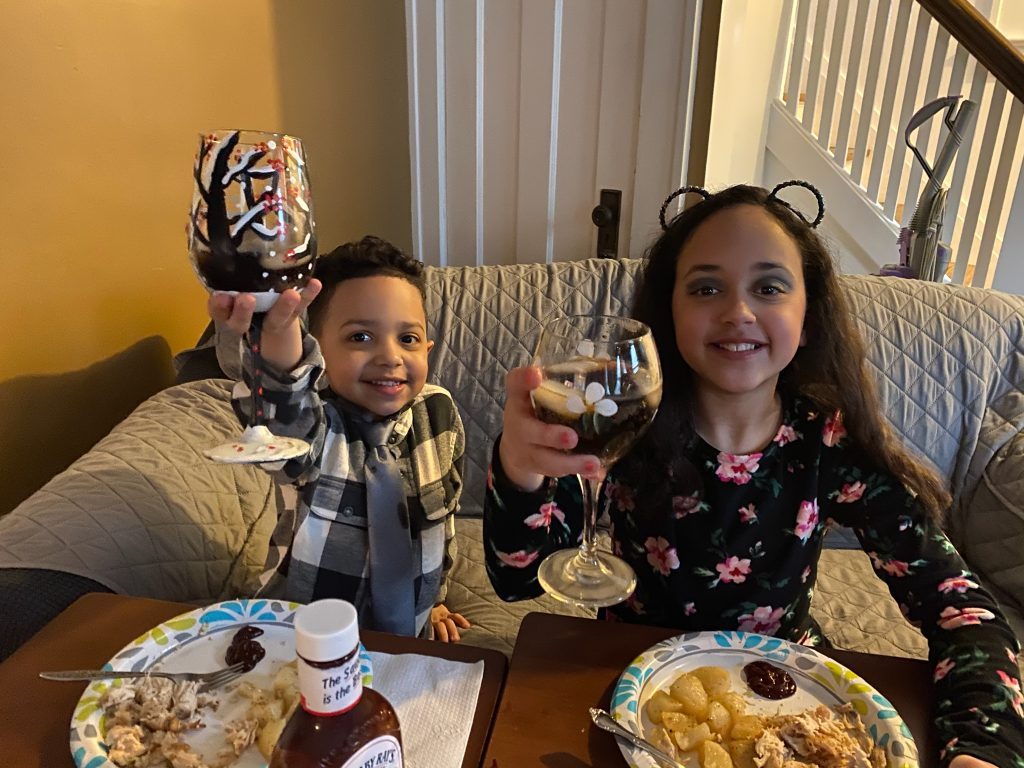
point(773, 195)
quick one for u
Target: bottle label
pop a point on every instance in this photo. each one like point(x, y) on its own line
point(330, 691)
point(384, 751)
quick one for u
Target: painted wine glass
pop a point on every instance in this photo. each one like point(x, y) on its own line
point(602, 378)
point(251, 230)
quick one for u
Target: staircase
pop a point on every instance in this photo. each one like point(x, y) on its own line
point(849, 74)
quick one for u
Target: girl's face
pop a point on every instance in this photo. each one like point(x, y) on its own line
point(739, 302)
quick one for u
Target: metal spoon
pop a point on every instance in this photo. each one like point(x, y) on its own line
point(606, 722)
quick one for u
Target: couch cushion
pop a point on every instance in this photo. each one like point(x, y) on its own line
point(495, 623)
point(145, 513)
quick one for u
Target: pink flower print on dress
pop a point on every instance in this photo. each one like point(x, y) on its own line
point(898, 568)
point(786, 434)
point(765, 620)
point(733, 569)
point(734, 468)
point(519, 559)
point(684, 505)
point(661, 556)
point(942, 669)
point(850, 492)
point(689, 609)
point(1012, 684)
point(805, 575)
point(621, 494)
point(748, 514)
point(806, 519)
point(951, 617)
point(834, 431)
point(490, 478)
point(543, 518)
point(958, 583)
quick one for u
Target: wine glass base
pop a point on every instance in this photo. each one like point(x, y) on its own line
point(566, 576)
point(257, 446)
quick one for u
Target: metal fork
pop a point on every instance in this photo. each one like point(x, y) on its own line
point(208, 680)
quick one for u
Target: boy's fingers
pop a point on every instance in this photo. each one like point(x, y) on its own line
point(453, 632)
point(310, 292)
point(441, 631)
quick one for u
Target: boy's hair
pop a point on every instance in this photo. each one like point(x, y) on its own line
point(830, 370)
point(369, 257)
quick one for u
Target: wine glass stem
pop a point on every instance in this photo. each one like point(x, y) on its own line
point(591, 491)
point(256, 392)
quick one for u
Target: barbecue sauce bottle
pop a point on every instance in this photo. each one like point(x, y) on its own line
point(339, 723)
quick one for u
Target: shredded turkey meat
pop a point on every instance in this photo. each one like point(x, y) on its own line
point(822, 737)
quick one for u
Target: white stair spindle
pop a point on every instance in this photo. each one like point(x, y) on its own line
point(852, 82)
point(814, 70)
point(867, 105)
point(892, 78)
point(796, 61)
point(923, 138)
point(984, 269)
point(901, 153)
point(835, 57)
point(964, 238)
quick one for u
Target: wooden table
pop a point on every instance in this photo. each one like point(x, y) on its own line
point(35, 714)
point(561, 666)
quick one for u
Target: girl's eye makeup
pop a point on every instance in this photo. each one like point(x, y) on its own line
point(702, 289)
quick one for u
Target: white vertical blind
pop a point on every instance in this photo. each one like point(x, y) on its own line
point(521, 111)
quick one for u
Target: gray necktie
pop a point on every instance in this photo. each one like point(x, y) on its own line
point(391, 554)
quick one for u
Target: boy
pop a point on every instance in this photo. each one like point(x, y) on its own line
point(381, 483)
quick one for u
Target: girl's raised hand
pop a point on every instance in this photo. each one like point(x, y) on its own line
point(531, 450)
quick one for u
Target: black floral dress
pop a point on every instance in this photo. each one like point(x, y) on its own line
point(743, 553)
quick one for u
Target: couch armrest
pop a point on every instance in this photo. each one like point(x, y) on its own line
point(992, 539)
point(145, 513)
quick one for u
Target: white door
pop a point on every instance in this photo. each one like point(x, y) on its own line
point(521, 111)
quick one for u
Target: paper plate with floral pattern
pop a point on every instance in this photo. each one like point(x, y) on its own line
point(819, 680)
point(196, 641)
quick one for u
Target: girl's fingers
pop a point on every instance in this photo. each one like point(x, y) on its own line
point(460, 620)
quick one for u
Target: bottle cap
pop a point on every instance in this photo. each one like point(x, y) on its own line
point(326, 630)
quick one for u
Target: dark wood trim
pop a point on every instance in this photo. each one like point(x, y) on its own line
point(703, 91)
point(986, 43)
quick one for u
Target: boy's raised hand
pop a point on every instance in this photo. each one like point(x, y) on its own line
point(447, 624)
point(281, 337)
point(530, 449)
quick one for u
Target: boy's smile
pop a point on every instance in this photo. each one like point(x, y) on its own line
point(374, 342)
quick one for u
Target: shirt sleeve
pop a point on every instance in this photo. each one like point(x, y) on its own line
point(522, 528)
point(973, 651)
point(292, 408)
point(453, 493)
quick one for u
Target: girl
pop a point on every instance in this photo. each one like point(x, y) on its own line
point(769, 426)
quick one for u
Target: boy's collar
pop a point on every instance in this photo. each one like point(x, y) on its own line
point(402, 417)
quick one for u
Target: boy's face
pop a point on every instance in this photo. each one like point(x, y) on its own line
point(374, 342)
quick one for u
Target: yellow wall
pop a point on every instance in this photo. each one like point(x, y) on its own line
point(100, 103)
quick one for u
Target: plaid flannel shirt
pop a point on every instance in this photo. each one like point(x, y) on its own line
point(322, 549)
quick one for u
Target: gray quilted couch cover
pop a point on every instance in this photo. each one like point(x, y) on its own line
point(144, 513)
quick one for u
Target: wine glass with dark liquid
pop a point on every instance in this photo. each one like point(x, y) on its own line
point(602, 378)
point(251, 230)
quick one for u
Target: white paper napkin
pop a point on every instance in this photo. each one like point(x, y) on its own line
point(435, 700)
